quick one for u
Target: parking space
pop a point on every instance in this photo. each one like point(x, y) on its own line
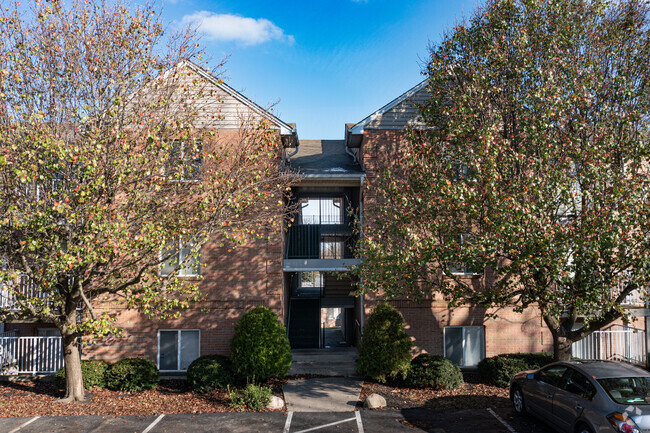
point(411, 420)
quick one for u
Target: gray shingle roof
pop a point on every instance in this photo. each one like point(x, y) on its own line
point(323, 157)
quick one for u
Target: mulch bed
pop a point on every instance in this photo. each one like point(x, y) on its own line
point(38, 398)
point(471, 395)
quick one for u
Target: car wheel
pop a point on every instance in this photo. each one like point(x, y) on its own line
point(518, 401)
point(583, 428)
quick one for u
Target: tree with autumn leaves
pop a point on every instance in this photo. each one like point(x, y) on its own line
point(113, 171)
point(529, 185)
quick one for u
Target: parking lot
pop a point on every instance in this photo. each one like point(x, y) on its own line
point(412, 420)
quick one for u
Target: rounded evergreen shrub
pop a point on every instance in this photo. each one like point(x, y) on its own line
point(92, 370)
point(209, 372)
point(498, 370)
point(260, 348)
point(132, 375)
point(434, 371)
point(385, 348)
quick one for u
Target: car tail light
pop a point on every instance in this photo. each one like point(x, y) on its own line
point(622, 423)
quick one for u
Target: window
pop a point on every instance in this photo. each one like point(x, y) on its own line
point(464, 345)
point(459, 268)
point(579, 385)
point(628, 390)
point(311, 279)
point(332, 247)
point(48, 332)
point(321, 211)
point(185, 161)
point(179, 255)
point(552, 375)
point(177, 348)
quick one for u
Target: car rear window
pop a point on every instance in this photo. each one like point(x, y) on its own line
point(627, 390)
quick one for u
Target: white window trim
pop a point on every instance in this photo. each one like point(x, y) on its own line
point(183, 178)
point(463, 339)
point(178, 350)
point(181, 269)
point(464, 271)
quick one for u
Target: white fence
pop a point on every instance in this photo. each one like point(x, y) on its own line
point(30, 355)
point(22, 286)
point(618, 344)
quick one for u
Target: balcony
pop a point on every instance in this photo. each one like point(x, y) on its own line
point(320, 247)
point(636, 299)
point(22, 287)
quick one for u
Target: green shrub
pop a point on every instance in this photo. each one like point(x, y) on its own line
point(254, 396)
point(384, 349)
point(92, 370)
point(260, 348)
point(434, 371)
point(132, 375)
point(498, 370)
point(210, 372)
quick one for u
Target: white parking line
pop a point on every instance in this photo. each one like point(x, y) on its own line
point(25, 424)
point(156, 421)
point(287, 424)
point(357, 414)
point(326, 425)
point(506, 425)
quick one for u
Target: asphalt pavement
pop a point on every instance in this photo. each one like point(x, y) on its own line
point(364, 421)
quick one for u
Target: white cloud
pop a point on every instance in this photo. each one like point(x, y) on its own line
point(227, 27)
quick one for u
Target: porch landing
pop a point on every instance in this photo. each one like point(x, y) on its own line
point(338, 361)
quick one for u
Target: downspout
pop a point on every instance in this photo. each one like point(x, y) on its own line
point(363, 177)
point(354, 156)
point(285, 159)
point(295, 134)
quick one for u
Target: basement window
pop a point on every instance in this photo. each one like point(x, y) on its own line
point(177, 348)
point(464, 345)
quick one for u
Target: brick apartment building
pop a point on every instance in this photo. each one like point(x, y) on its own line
point(300, 273)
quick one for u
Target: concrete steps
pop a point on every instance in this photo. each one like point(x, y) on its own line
point(324, 362)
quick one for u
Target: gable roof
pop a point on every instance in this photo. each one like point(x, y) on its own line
point(401, 119)
point(285, 128)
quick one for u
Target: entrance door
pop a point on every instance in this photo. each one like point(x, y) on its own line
point(303, 323)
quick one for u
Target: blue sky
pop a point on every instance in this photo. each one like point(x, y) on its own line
point(322, 63)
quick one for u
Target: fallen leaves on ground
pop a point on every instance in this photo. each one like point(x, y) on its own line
point(471, 395)
point(38, 398)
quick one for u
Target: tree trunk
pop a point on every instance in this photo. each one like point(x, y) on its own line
point(561, 348)
point(74, 385)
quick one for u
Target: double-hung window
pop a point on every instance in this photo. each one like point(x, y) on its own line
point(181, 256)
point(464, 345)
point(460, 267)
point(185, 160)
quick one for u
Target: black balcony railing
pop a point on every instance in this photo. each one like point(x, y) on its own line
point(311, 241)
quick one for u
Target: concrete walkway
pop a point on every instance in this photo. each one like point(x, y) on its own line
point(323, 394)
point(324, 362)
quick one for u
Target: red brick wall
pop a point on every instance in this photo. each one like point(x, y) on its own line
point(509, 332)
point(235, 280)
